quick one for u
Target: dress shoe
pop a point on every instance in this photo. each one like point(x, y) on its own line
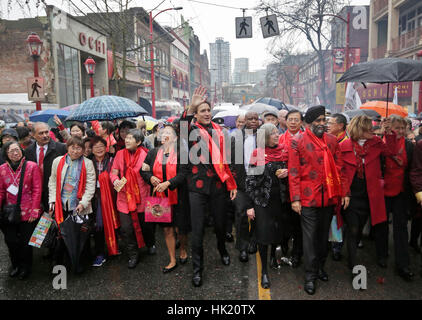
point(295, 261)
point(167, 270)
point(14, 272)
point(183, 260)
point(337, 256)
point(252, 249)
point(152, 250)
point(197, 279)
point(229, 237)
point(382, 262)
point(322, 275)
point(225, 259)
point(133, 261)
point(23, 274)
point(273, 263)
point(243, 257)
point(405, 274)
point(309, 287)
point(265, 281)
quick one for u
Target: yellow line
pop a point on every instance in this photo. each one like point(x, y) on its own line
point(263, 294)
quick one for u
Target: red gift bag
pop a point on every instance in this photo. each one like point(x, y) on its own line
point(157, 209)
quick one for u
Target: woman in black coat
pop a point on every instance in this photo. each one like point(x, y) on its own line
point(266, 184)
point(161, 169)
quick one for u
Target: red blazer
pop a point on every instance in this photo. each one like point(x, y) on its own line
point(306, 170)
point(374, 180)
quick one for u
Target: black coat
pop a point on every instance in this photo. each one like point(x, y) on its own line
point(202, 178)
point(55, 149)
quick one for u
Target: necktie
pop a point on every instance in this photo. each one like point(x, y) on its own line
point(41, 159)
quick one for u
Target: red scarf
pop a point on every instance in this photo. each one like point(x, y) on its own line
point(132, 192)
point(109, 213)
point(81, 188)
point(394, 170)
point(360, 152)
point(218, 156)
point(342, 137)
point(260, 157)
point(171, 171)
point(331, 175)
point(132, 188)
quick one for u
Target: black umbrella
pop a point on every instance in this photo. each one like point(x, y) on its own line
point(367, 112)
point(74, 235)
point(388, 70)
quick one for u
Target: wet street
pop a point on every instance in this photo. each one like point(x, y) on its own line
point(239, 281)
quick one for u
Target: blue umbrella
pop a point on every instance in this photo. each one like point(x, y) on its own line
point(45, 115)
point(106, 108)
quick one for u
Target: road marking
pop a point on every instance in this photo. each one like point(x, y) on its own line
point(263, 294)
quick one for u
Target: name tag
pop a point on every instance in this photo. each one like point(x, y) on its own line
point(13, 189)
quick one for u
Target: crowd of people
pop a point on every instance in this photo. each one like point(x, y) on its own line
point(298, 185)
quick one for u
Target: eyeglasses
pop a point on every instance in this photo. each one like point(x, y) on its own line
point(331, 123)
point(293, 120)
point(99, 146)
point(13, 151)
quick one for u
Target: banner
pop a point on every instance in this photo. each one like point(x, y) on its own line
point(339, 58)
point(340, 90)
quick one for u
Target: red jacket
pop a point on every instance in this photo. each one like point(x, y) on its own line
point(307, 182)
point(31, 192)
point(374, 180)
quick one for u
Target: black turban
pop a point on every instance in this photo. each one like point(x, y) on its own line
point(313, 113)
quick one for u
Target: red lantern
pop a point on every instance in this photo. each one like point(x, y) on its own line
point(90, 66)
point(34, 45)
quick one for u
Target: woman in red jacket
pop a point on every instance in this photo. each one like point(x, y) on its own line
point(17, 235)
point(363, 185)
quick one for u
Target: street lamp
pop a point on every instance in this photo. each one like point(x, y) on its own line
point(35, 47)
point(90, 69)
point(419, 54)
point(347, 21)
point(151, 19)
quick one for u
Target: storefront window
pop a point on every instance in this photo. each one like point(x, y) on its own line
point(68, 69)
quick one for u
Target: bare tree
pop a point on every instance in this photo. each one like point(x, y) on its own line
point(305, 17)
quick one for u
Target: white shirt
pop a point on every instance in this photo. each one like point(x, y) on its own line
point(38, 151)
point(250, 146)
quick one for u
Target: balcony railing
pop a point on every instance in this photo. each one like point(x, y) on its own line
point(408, 40)
point(379, 6)
point(379, 52)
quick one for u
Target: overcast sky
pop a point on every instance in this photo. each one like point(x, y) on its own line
point(208, 21)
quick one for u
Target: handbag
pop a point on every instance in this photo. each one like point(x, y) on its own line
point(158, 209)
point(11, 213)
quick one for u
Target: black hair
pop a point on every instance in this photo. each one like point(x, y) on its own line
point(6, 147)
point(79, 125)
point(96, 139)
point(294, 111)
point(23, 132)
point(127, 124)
point(90, 133)
point(340, 119)
point(109, 126)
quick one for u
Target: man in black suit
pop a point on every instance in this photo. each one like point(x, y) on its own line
point(209, 180)
point(239, 166)
point(45, 148)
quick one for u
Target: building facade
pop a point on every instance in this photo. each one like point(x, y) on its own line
point(67, 43)
point(395, 30)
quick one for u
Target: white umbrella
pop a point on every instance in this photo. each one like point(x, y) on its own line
point(261, 108)
point(227, 113)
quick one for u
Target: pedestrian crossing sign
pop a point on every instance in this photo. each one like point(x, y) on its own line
point(269, 26)
point(244, 27)
point(35, 87)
